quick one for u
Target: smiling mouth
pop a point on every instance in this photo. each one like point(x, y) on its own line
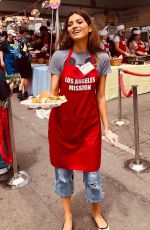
point(76, 32)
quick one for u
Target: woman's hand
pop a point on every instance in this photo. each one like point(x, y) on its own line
point(112, 138)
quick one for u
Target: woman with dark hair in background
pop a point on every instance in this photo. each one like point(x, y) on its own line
point(104, 45)
point(136, 45)
point(79, 72)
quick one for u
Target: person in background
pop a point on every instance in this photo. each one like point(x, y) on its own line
point(136, 45)
point(8, 56)
point(5, 167)
point(35, 44)
point(111, 45)
point(74, 127)
point(104, 45)
point(120, 43)
point(3, 36)
point(44, 41)
point(29, 35)
point(23, 64)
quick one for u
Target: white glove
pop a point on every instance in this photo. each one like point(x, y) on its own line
point(112, 138)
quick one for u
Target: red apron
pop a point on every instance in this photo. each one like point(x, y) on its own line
point(5, 143)
point(105, 46)
point(74, 127)
point(122, 46)
point(141, 47)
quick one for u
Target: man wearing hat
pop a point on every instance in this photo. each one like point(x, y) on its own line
point(136, 45)
point(103, 40)
point(8, 54)
point(120, 42)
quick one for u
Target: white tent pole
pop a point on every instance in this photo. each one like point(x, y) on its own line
point(57, 29)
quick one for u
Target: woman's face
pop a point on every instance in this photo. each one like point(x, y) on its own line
point(104, 37)
point(138, 37)
point(78, 27)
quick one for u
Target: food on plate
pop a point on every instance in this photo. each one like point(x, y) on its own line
point(45, 97)
point(43, 94)
point(36, 100)
point(44, 101)
point(55, 99)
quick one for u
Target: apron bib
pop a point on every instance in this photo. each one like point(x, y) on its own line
point(123, 46)
point(141, 47)
point(106, 46)
point(74, 127)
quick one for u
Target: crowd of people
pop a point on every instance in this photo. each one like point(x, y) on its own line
point(15, 56)
point(74, 127)
point(16, 73)
point(118, 44)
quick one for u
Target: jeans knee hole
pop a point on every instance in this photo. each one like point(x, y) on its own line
point(65, 180)
point(95, 186)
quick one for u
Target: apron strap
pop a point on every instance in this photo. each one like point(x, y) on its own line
point(93, 59)
point(69, 56)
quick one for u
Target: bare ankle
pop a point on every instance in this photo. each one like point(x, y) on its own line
point(68, 216)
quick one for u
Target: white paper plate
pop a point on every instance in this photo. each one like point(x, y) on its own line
point(32, 105)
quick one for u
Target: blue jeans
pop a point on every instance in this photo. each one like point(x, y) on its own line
point(2, 163)
point(65, 185)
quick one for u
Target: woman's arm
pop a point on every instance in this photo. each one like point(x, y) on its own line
point(54, 91)
point(101, 100)
point(127, 52)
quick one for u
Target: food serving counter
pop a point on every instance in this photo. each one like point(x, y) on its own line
point(41, 79)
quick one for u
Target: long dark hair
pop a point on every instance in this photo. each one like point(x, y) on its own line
point(132, 37)
point(93, 41)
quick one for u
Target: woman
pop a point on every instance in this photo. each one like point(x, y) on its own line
point(104, 45)
point(136, 45)
point(120, 43)
point(74, 127)
point(23, 64)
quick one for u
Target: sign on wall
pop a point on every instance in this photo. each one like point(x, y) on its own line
point(129, 17)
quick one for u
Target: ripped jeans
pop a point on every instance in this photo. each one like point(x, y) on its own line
point(64, 182)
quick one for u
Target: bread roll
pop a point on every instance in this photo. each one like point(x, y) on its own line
point(43, 94)
point(36, 100)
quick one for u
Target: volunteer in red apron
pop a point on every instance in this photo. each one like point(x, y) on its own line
point(121, 43)
point(79, 72)
point(5, 145)
point(104, 45)
point(136, 45)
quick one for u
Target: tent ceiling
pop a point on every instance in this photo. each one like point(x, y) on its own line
point(92, 6)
